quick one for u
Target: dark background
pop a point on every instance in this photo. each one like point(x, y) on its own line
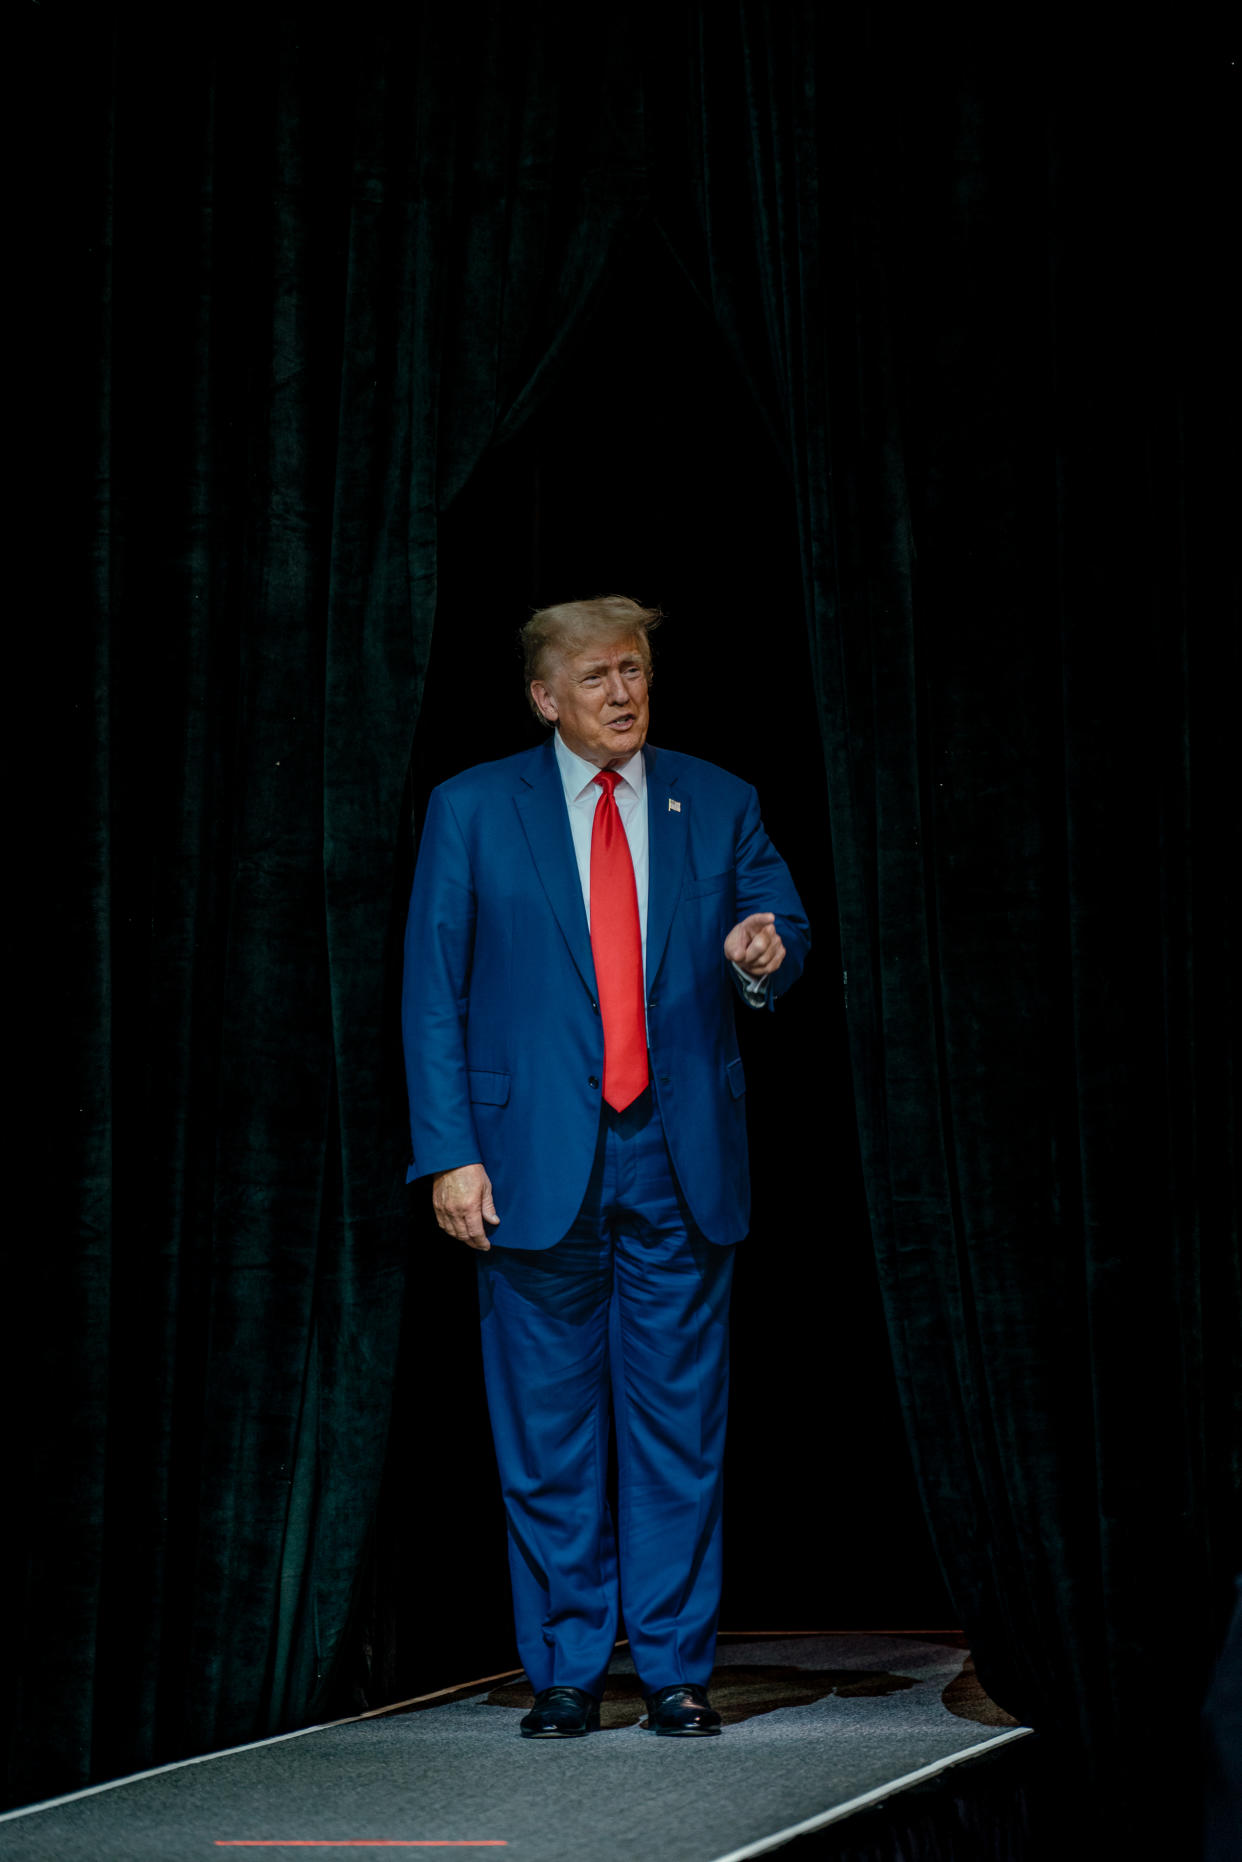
point(895, 358)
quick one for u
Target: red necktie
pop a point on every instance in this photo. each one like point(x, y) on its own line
point(617, 947)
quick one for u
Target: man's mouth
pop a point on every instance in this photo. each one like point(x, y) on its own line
point(621, 724)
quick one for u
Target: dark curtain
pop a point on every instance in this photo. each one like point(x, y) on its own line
point(981, 288)
point(303, 279)
point(978, 295)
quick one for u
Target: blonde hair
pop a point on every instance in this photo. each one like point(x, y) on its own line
point(571, 626)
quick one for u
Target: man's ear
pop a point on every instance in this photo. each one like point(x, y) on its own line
point(544, 700)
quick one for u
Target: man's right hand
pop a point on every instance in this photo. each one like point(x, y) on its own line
point(462, 1200)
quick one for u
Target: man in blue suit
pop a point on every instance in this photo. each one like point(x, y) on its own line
point(583, 918)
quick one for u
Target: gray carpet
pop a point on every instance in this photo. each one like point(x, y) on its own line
point(812, 1722)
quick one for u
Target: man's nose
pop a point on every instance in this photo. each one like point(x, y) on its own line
point(617, 692)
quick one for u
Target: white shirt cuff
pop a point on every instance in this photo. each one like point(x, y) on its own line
point(754, 988)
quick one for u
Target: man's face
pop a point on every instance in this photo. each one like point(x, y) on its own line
point(598, 701)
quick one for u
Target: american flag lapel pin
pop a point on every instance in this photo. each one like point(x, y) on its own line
point(674, 808)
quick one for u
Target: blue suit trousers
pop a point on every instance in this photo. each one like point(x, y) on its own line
point(631, 1305)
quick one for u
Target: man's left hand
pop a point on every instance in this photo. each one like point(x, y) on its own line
point(755, 945)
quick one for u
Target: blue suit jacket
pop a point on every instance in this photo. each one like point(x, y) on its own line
point(504, 1047)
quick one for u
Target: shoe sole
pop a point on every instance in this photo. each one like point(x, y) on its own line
point(558, 1732)
point(685, 1732)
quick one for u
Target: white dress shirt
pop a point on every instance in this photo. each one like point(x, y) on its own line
point(582, 794)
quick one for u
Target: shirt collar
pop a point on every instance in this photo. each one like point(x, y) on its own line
point(578, 775)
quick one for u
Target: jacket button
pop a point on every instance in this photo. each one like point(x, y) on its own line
point(592, 1081)
point(595, 1005)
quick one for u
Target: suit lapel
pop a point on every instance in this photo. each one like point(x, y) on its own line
point(668, 828)
point(540, 800)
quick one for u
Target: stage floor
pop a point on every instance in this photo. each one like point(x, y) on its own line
point(817, 1727)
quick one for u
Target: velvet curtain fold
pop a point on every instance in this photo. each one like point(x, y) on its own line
point(319, 274)
point(979, 293)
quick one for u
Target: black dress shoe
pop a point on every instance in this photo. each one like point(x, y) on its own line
point(681, 1709)
point(561, 1713)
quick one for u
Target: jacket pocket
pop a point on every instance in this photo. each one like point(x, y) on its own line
point(736, 1078)
point(697, 888)
point(488, 1089)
